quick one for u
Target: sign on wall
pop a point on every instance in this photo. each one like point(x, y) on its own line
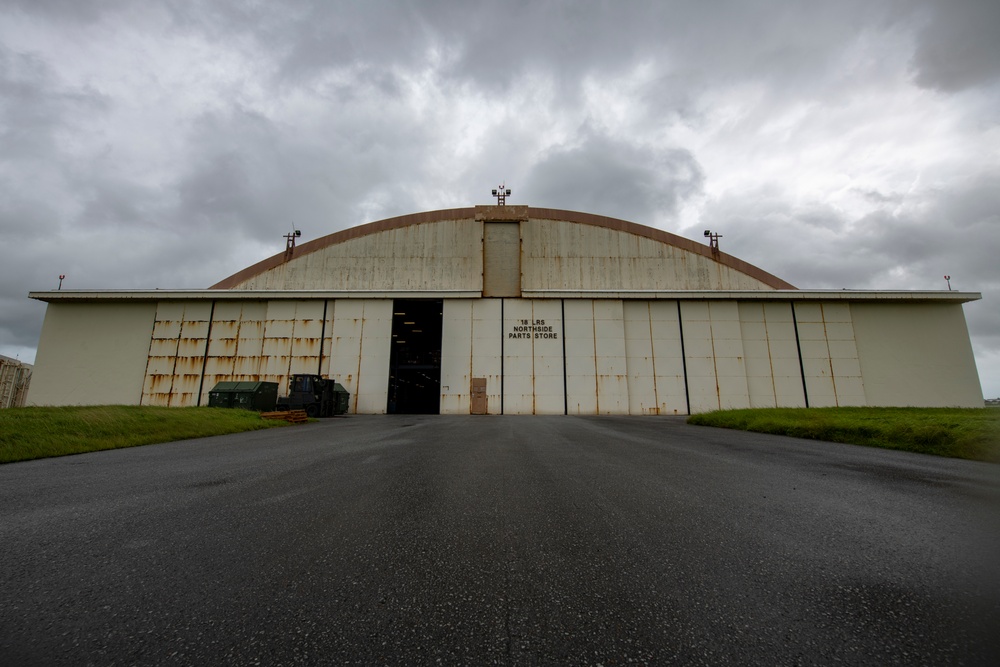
point(529, 329)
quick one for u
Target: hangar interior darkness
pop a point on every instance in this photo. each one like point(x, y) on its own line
point(415, 357)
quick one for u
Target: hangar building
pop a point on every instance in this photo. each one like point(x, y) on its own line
point(511, 310)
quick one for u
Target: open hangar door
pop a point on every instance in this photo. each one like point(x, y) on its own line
point(415, 357)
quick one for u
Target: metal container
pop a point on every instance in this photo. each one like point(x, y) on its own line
point(259, 396)
point(341, 399)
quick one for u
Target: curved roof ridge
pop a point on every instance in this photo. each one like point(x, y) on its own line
point(535, 213)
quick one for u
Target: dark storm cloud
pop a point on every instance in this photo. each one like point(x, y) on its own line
point(34, 106)
point(614, 179)
point(959, 46)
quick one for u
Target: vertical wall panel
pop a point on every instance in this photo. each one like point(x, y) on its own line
point(487, 343)
point(783, 349)
point(501, 259)
point(376, 338)
point(327, 349)
point(361, 332)
point(81, 342)
point(518, 358)
point(934, 368)
point(581, 364)
point(547, 352)
point(307, 341)
point(609, 350)
point(533, 358)
point(668, 358)
point(713, 344)
point(639, 359)
point(774, 377)
point(699, 355)
point(276, 353)
point(816, 364)
point(345, 356)
point(456, 356)
point(730, 366)
point(173, 378)
point(844, 362)
point(235, 345)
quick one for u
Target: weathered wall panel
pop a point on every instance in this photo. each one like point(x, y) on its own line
point(829, 355)
point(713, 345)
point(501, 259)
point(668, 358)
point(518, 359)
point(456, 356)
point(609, 352)
point(774, 377)
point(547, 352)
point(376, 338)
point(533, 359)
point(92, 353)
point(846, 368)
point(487, 349)
point(916, 355)
point(361, 333)
point(443, 255)
point(174, 378)
point(234, 347)
point(567, 255)
point(581, 363)
point(642, 399)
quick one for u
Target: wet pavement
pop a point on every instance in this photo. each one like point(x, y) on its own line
point(499, 540)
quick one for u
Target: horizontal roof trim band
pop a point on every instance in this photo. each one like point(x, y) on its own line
point(730, 295)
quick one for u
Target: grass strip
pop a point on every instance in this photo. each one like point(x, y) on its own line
point(40, 432)
point(966, 433)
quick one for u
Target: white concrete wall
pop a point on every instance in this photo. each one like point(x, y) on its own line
point(92, 354)
point(916, 355)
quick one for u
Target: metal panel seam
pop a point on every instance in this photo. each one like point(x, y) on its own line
point(204, 359)
point(798, 348)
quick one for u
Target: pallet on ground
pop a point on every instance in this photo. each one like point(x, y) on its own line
point(291, 416)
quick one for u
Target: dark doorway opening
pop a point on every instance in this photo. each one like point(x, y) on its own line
point(415, 357)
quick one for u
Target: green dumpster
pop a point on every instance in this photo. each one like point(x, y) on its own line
point(259, 396)
point(341, 399)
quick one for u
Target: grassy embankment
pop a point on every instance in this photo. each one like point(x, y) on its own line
point(972, 433)
point(34, 433)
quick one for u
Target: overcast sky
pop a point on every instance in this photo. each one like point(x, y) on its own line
point(849, 144)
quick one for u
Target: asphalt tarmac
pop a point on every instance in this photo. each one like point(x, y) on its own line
point(499, 540)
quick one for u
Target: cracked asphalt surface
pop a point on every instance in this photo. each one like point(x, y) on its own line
point(499, 540)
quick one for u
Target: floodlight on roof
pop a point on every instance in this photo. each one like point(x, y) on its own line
point(501, 194)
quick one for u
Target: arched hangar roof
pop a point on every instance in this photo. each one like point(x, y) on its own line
point(558, 250)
